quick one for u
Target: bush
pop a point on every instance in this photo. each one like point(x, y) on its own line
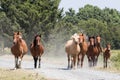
point(116, 60)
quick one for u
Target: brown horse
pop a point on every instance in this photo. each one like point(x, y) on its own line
point(99, 48)
point(37, 49)
point(92, 51)
point(84, 46)
point(106, 54)
point(72, 49)
point(19, 49)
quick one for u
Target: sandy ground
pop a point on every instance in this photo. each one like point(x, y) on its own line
point(56, 68)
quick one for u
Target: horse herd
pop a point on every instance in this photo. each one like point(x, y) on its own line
point(76, 48)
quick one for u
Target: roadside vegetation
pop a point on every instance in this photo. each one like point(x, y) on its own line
point(113, 63)
point(115, 59)
point(20, 74)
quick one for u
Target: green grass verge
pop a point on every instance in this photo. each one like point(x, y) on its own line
point(115, 59)
point(20, 74)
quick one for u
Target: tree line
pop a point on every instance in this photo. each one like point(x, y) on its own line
point(33, 17)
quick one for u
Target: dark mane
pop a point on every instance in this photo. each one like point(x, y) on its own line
point(34, 41)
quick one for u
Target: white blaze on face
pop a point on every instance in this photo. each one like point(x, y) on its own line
point(20, 36)
point(76, 37)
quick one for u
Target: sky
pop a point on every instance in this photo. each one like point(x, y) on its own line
point(76, 4)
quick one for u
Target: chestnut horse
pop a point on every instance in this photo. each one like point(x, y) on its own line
point(37, 49)
point(92, 51)
point(106, 54)
point(84, 46)
point(99, 48)
point(72, 49)
point(19, 48)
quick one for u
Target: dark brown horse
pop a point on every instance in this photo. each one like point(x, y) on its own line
point(19, 48)
point(84, 46)
point(106, 55)
point(37, 49)
point(92, 51)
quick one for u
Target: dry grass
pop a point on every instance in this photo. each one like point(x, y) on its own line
point(114, 66)
point(20, 74)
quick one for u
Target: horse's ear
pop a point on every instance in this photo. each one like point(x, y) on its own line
point(18, 33)
point(40, 35)
point(14, 32)
point(89, 38)
point(82, 34)
point(93, 37)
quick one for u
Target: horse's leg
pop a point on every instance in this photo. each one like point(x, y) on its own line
point(74, 62)
point(16, 62)
point(106, 62)
point(78, 63)
point(89, 60)
point(109, 62)
point(39, 62)
point(35, 61)
point(20, 60)
point(82, 59)
point(95, 60)
point(68, 61)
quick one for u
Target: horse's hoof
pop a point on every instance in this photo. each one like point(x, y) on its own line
point(39, 66)
point(79, 67)
point(15, 68)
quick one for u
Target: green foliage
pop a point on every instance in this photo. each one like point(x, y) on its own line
point(116, 59)
point(43, 17)
point(31, 16)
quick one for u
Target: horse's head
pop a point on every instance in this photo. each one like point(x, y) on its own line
point(98, 39)
point(75, 38)
point(82, 38)
point(37, 40)
point(108, 46)
point(16, 37)
point(92, 40)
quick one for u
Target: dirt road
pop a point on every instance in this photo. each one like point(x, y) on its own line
point(57, 70)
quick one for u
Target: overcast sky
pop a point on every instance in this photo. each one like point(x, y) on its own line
point(76, 4)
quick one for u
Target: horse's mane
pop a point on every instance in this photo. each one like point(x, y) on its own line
point(34, 41)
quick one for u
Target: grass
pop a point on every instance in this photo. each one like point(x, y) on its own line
point(20, 74)
point(114, 65)
point(115, 58)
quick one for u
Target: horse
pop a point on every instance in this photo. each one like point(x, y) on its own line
point(84, 47)
point(106, 54)
point(19, 48)
point(92, 51)
point(99, 48)
point(72, 49)
point(37, 50)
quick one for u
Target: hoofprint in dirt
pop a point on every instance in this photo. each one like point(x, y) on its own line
point(55, 69)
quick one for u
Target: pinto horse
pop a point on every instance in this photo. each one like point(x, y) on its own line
point(19, 48)
point(84, 46)
point(72, 49)
point(106, 54)
point(92, 51)
point(37, 49)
